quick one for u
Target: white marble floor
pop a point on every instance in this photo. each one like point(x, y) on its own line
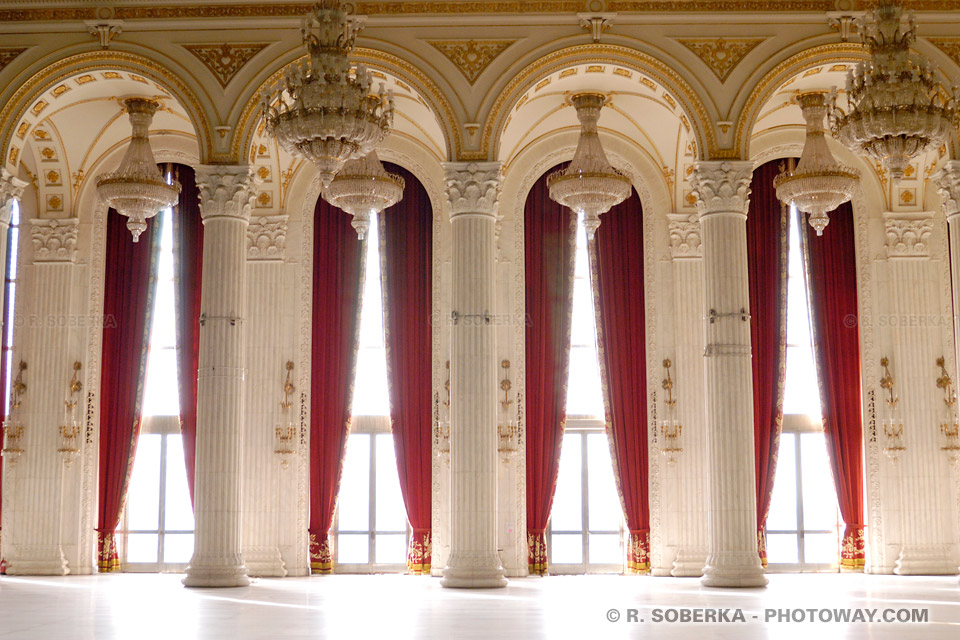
point(144, 607)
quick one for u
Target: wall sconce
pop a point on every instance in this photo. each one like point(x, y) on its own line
point(950, 433)
point(508, 435)
point(70, 431)
point(670, 429)
point(892, 428)
point(285, 433)
point(13, 429)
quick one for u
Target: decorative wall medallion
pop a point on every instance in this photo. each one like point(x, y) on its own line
point(264, 199)
point(225, 60)
point(48, 154)
point(54, 203)
point(84, 79)
point(112, 75)
point(471, 57)
point(41, 134)
point(908, 197)
point(22, 129)
point(60, 90)
point(14, 154)
point(7, 54)
point(722, 55)
point(53, 177)
point(38, 107)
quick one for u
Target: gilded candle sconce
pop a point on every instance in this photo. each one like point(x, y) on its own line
point(13, 428)
point(507, 433)
point(949, 429)
point(892, 427)
point(285, 433)
point(70, 430)
point(670, 429)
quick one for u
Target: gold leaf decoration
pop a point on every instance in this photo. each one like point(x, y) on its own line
point(225, 60)
point(722, 55)
point(471, 57)
point(7, 54)
point(950, 46)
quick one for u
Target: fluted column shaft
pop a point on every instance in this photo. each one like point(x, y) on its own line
point(225, 201)
point(723, 191)
point(473, 191)
point(690, 491)
point(34, 481)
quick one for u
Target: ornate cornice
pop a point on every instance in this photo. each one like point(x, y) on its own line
point(267, 237)
point(948, 185)
point(722, 187)
point(721, 55)
point(472, 187)
point(907, 236)
point(225, 60)
point(471, 57)
point(684, 233)
point(226, 191)
point(11, 188)
point(54, 240)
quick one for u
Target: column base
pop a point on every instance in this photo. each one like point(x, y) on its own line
point(735, 569)
point(38, 562)
point(925, 560)
point(216, 576)
point(265, 563)
point(474, 573)
point(689, 563)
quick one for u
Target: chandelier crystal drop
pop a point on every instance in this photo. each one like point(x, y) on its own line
point(819, 184)
point(589, 185)
point(321, 111)
point(137, 189)
point(895, 108)
point(362, 188)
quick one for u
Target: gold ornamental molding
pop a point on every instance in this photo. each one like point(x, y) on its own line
point(950, 46)
point(773, 79)
point(378, 60)
point(471, 57)
point(48, 77)
point(7, 55)
point(721, 55)
point(225, 60)
point(690, 102)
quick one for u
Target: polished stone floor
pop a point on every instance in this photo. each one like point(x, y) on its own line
point(144, 607)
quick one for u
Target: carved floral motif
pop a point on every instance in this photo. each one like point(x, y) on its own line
point(471, 56)
point(684, 236)
point(54, 240)
point(907, 237)
point(224, 60)
point(473, 187)
point(266, 237)
point(722, 187)
point(225, 190)
point(722, 55)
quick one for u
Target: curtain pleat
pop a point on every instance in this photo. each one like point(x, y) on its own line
point(549, 252)
point(767, 256)
point(617, 271)
point(406, 242)
point(831, 268)
point(337, 286)
point(188, 269)
point(128, 292)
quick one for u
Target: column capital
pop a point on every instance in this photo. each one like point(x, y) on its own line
point(908, 233)
point(948, 185)
point(684, 232)
point(267, 237)
point(226, 191)
point(11, 188)
point(473, 187)
point(722, 187)
point(54, 240)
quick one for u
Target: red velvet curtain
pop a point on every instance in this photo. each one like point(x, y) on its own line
point(550, 249)
point(337, 286)
point(406, 242)
point(767, 243)
point(188, 266)
point(128, 292)
point(832, 286)
point(616, 261)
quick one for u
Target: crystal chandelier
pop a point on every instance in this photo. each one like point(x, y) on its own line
point(819, 184)
point(323, 112)
point(589, 185)
point(363, 187)
point(895, 108)
point(137, 189)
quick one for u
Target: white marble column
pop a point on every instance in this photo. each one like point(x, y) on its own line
point(226, 197)
point(473, 190)
point(691, 481)
point(266, 360)
point(915, 343)
point(32, 527)
point(11, 188)
point(723, 193)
